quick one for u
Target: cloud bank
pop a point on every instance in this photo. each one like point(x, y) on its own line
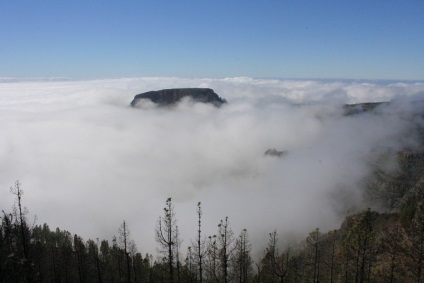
point(87, 161)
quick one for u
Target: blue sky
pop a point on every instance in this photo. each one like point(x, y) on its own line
point(362, 39)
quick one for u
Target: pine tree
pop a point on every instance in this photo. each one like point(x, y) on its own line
point(212, 259)
point(165, 236)
point(359, 244)
point(243, 259)
point(225, 247)
point(275, 265)
point(314, 245)
point(124, 239)
point(199, 244)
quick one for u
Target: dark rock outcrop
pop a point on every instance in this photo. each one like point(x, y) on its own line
point(169, 97)
point(359, 108)
point(274, 152)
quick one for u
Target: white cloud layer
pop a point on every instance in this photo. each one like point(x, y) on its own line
point(87, 161)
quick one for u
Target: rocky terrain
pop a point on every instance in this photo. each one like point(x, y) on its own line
point(170, 97)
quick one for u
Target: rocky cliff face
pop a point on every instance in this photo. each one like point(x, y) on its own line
point(169, 97)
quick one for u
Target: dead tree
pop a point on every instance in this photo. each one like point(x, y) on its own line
point(225, 246)
point(124, 239)
point(199, 245)
point(165, 236)
point(20, 213)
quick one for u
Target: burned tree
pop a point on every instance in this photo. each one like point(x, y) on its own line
point(275, 265)
point(211, 259)
point(124, 239)
point(313, 242)
point(243, 260)
point(199, 244)
point(165, 235)
point(225, 247)
point(358, 245)
point(20, 213)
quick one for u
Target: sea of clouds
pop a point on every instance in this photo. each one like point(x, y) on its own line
point(87, 160)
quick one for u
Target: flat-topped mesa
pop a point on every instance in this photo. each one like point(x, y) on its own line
point(169, 97)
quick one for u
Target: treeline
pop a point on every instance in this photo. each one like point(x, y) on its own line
point(369, 247)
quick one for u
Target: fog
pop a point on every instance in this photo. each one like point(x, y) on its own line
point(87, 160)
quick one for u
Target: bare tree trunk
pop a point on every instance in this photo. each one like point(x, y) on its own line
point(199, 243)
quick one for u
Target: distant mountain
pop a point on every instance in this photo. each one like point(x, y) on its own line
point(169, 97)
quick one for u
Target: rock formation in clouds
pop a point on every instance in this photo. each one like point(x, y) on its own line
point(169, 97)
point(275, 152)
point(352, 109)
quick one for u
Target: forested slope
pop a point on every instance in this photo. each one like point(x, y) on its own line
point(384, 243)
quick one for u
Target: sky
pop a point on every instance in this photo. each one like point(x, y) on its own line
point(87, 161)
point(212, 39)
